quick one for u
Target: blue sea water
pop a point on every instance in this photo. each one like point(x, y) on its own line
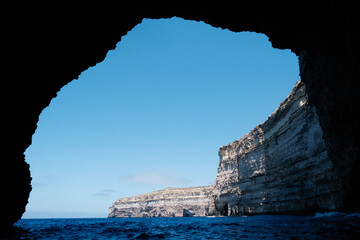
point(322, 226)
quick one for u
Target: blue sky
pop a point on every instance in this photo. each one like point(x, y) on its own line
point(153, 115)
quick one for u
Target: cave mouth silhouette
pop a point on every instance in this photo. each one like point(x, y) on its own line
point(70, 137)
point(64, 40)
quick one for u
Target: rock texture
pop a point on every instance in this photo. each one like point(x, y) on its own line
point(170, 202)
point(282, 165)
point(47, 46)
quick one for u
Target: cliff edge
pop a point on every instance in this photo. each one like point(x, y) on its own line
point(281, 166)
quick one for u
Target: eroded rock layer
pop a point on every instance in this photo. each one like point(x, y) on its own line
point(170, 202)
point(282, 165)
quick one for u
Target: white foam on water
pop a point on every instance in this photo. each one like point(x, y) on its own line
point(329, 214)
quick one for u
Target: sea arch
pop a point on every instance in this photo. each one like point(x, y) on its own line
point(65, 40)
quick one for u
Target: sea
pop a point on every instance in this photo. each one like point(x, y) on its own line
point(331, 225)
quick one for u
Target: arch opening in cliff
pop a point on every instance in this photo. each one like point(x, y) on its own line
point(170, 83)
point(63, 41)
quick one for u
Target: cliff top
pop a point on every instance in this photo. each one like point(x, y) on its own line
point(170, 191)
point(272, 118)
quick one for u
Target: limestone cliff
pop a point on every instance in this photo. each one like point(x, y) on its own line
point(170, 202)
point(282, 165)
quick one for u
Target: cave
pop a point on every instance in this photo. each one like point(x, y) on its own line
point(49, 46)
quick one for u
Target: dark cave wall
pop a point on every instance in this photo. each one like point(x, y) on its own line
point(51, 45)
point(333, 83)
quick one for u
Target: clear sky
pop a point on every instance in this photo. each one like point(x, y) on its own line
point(153, 115)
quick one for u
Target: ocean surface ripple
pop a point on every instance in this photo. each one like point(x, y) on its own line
point(322, 226)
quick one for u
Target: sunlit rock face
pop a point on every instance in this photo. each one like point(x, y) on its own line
point(281, 166)
point(170, 202)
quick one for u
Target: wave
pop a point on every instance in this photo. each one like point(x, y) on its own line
point(336, 214)
point(353, 215)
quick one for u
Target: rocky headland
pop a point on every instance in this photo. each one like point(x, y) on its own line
point(281, 166)
point(170, 202)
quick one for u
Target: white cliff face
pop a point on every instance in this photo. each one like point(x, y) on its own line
point(170, 202)
point(280, 166)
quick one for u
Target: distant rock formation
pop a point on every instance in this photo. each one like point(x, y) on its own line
point(281, 166)
point(170, 202)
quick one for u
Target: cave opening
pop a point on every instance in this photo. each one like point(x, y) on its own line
point(152, 115)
